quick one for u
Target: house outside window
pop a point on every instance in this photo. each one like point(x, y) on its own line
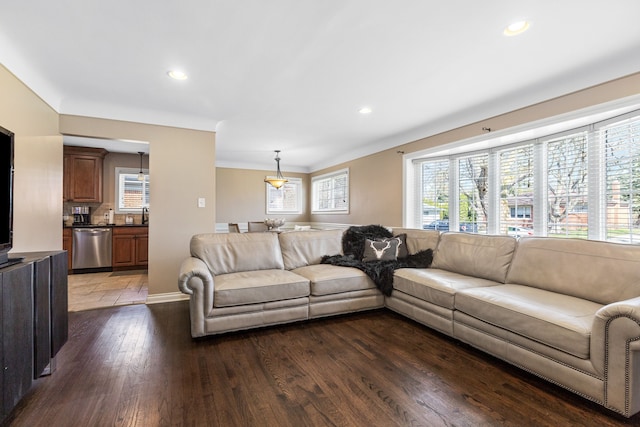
point(330, 193)
point(131, 194)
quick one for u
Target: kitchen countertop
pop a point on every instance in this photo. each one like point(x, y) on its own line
point(104, 225)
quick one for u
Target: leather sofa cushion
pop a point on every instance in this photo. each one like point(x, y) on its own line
point(477, 255)
point(559, 321)
point(300, 248)
point(232, 252)
point(438, 287)
point(252, 287)
point(329, 279)
point(602, 272)
point(419, 240)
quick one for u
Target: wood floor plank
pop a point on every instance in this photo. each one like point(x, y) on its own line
point(138, 366)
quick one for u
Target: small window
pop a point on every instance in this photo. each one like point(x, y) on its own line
point(520, 212)
point(286, 199)
point(330, 192)
point(132, 194)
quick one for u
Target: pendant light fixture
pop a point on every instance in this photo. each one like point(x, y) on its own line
point(141, 173)
point(279, 180)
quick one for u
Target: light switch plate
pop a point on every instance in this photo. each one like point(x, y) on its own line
point(201, 202)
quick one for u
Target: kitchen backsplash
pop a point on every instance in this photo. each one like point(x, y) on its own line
point(99, 214)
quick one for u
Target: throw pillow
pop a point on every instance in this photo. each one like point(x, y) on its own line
point(353, 239)
point(402, 252)
point(379, 250)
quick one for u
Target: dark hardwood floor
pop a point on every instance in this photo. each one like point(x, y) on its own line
point(138, 366)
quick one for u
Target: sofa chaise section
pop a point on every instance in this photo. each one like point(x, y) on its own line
point(568, 312)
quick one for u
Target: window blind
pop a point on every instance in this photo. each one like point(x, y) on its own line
point(435, 191)
point(567, 198)
point(516, 189)
point(621, 143)
point(473, 184)
point(331, 192)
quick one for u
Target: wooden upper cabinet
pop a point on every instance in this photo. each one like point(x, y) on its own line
point(82, 180)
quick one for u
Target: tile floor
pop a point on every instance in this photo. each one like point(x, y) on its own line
point(99, 290)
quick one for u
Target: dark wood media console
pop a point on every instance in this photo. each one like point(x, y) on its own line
point(33, 321)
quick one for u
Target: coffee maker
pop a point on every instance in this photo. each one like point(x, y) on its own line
point(81, 215)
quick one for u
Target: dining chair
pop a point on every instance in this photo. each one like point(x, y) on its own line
point(257, 227)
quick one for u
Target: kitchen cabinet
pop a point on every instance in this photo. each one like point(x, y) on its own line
point(130, 247)
point(82, 174)
point(67, 245)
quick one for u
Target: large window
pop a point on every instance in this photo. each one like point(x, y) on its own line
point(132, 194)
point(582, 183)
point(330, 192)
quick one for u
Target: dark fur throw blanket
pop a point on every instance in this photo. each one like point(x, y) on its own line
point(381, 272)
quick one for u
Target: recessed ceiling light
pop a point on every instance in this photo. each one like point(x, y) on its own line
point(516, 28)
point(177, 75)
point(365, 110)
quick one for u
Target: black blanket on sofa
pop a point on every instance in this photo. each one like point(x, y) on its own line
point(381, 272)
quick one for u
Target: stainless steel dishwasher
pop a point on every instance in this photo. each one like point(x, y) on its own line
point(91, 248)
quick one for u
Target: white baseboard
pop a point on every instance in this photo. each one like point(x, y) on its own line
point(167, 297)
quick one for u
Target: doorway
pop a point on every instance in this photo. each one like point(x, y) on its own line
point(122, 167)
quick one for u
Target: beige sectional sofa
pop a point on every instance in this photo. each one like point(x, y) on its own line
point(567, 310)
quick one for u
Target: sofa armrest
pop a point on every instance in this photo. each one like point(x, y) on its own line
point(615, 352)
point(190, 268)
point(196, 280)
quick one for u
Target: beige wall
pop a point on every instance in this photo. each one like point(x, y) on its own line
point(375, 191)
point(241, 196)
point(37, 208)
point(182, 169)
point(376, 181)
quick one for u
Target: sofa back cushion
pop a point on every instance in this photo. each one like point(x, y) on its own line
point(477, 255)
point(234, 252)
point(301, 248)
point(419, 240)
point(601, 272)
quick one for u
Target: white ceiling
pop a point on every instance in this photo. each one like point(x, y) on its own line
point(292, 74)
